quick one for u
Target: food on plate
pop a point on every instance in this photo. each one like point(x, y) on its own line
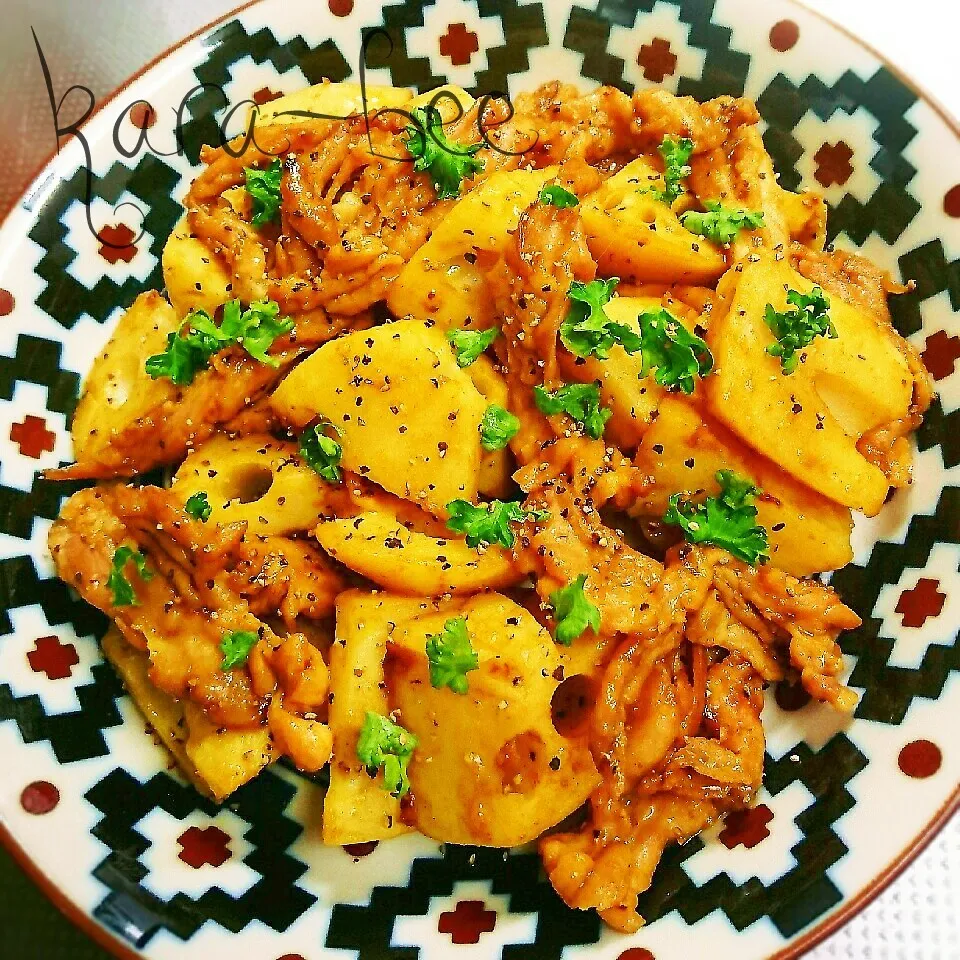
point(501, 449)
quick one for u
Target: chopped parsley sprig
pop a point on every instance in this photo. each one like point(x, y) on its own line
point(497, 428)
point(587, 330)
point(199, 337)
point(676, 355)
point(469, 344)
point(447, 163)
point(797, 328)
point(321, 452)
point(720, 224)
point(573, 612)
point(580, 401)
point(123, 593)
point(198, 506)
point(727, 520)
point(236, 646)
point(554, 195)
point(489, 523)
point(383, 743)
point(451, 656)
point(676, 151)
point(264, 189)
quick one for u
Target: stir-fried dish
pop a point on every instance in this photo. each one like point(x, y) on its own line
point(487, 456)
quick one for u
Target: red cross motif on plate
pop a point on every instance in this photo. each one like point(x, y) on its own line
point(117, 243)
point(921, 602)
point(941, 354)
point(265, 95)
point(204, 846)
point(459, 44)
point(746, 827)
point(468, 922)
point(53, 658)
point(657, 59)
point(32, 436)
point(833, 164)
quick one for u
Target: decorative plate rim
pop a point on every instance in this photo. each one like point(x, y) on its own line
point(830, 924)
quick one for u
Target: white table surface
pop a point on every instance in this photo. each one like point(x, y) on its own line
point(101, 42)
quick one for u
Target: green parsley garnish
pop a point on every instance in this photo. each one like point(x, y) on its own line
point(383, 743)
point(198, 506)
point(321, 452)
point(581, 401)
point(490, 523)
point(677, 355)
point(184, 356)
point(727, 520)
point(497, 428)
point(255, 329)
point(587, 330)
point(123, 593)
point(573, 611)
point(676, 152)
point(264, 189)
point(720, 224)
point(797, 328)
point(469, 344)
point(556, 196)
point(446, 163)
point(236, 646)
point(451, 656)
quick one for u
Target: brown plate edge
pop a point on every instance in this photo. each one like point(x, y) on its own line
point(867, 894)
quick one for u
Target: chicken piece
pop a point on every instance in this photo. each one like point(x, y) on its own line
point(353, 212)
point(733, 760)
point(280, 574)
point(176, 604)
point(557, 123)
point(806, 613)
point(574, 541)
point(666, 777)
point(660, 113)
point(613, 858)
